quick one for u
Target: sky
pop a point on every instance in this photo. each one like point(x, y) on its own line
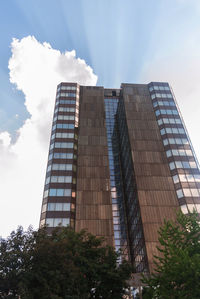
point(103, 42)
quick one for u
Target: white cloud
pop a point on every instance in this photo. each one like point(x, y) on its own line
point(35, 69)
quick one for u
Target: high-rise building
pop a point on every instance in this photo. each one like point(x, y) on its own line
point(120, 162)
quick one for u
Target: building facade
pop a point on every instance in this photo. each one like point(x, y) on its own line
point(120, 162)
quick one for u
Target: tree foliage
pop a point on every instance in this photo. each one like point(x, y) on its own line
point(63, 265)
point(177, 269)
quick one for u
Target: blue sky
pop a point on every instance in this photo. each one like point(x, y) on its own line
point(116, 38)
point(121, 40)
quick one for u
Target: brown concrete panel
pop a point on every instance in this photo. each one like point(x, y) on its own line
point(156, 194)
point(93, 202)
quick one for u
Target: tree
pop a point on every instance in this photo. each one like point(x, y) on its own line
point(177, 268)
point(63, 265)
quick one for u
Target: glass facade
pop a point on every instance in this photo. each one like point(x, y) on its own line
point(116, 183)
point(127, 165)
point(59, 197)
point(134, 222)
point(181, 157)
point(127, 223)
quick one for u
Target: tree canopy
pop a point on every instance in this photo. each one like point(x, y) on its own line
point(177, 269)
point(65, 264)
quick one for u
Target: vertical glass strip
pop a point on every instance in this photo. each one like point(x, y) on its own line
point(119, 225)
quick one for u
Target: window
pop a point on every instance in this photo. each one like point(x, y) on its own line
point(117, 234)
point(67, 87)
point(52, 136)
point(171, 141)
point(62, 167)
point(162, 132)
point(63, 156)
point(171, 165)
point(165, 141)
point(198, 208)
point(175, 179)
point(168, 153)
point(66, 109)
point(195, 192)
point(169, 130)
point(63, 144)
point(188, 152)
point(44, 208)
point(184, 209)
point(175, 112)
point(157, 112)
point(179, 193)
point(181, 152)
point(66, 206)
point(58, 206)
point(175, 152)
point(53, 222)
point(50, 222)
point(182, 178)
point(181, 131)
point(158, 95)
point(117, 242)
point(174, 130)
point(67, 94)
point(178, 140)
point(45, 193)
point(64, 135)
point(185, 141)
point(197, 178)
point(66, 117)
point(47, 180)
point(191, 207)
point(186, 164)
point(50, 156)
point(178, 164)
point(65, 126)
point(190, 177)
point(61, 179)
point(49, 168)
point(64, 102)
point(193, 165)
point(42, 222)
point(187, 192)
point(162, 111)
point(155, 104)
point(178, 121)
point(59, 192)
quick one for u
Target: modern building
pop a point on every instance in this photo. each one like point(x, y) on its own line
point(120, 162)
